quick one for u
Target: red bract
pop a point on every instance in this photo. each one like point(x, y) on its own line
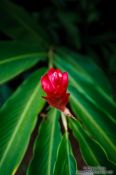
point(55, 84)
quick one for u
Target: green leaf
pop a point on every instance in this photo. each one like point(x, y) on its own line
point(65, 163)
point(101, 128)
point(18, 24)
point(85, 65)
point(17, 57)
point(17, 120)
point(91, 151)
point(79, 79)
point(91, 103)
point(46, 145)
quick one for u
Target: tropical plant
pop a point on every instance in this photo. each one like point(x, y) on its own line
point(32, 43)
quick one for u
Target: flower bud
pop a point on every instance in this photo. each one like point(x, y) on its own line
point(55, 84)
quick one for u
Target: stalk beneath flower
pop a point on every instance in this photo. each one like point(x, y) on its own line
point(64, 121)
point(67, 112)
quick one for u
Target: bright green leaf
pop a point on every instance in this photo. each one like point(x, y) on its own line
point(46, 146)
point(91, 151)
point(85, 84)
point(88, 68)
point(16, 57)
point(65, 163)
point(17, 120)
point(98, 124)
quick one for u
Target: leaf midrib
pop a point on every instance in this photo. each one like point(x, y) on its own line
point(19, 57)
point(51, 144)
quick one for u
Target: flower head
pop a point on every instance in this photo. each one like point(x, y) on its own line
point(55, 84)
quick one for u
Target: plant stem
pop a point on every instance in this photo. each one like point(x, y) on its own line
point(64, 121)
point(67, 113)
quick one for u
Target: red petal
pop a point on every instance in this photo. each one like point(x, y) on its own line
point(64, 101)
point(55, 77)
point(59, 103)
point(46, 84)
point(59, 72)
point(51, 71)
point(55, 84)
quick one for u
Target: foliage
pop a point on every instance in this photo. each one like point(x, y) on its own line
point(62, 38)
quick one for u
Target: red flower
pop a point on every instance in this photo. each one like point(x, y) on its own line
point(55, 84)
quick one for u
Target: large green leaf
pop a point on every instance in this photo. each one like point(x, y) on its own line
point(17, 120)
point(96, 121)
point(91, 151)
point(65, 163)
point(86, 84)
point(46, 146)
point(92, 104)
point(16, 57)
point(85, 65)
point(18, 24)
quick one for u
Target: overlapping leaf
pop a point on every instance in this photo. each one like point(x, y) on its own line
point(17, 120)
point(86, 85)
point(96, 121)
point(16, 57)
point(86, 66)
point(92, 104)
point(46, 146)
point(91, 151)
point(66, 163)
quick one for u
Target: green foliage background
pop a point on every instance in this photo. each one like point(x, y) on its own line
point(77, 37)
